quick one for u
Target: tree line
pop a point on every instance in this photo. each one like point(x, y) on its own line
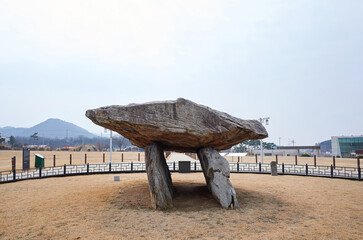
point(249, 145)
point(103, 143)
point(118, 142)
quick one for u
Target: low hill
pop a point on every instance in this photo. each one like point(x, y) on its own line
point(325, 146)
point(51, 128)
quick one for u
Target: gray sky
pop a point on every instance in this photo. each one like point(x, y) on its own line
point(298, 62)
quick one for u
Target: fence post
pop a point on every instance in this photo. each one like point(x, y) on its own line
point(359, 174)
point(122, 157)
point(358, 168)
point(238, 167)
point(85, 158)
point(358, 162)
point(40, 172)
point(256, 158)
point(64, 171)
point(53, 160)
point(314, 160)
point(13, 165)
point(238, 159)
point(283, 168)
point(277, 159)
point(138, 157)
point(103, 156)
point(87, 168)
point(331, 171)
point(70, 159)
point(306, 169)
point(132, 166)
point(334, 162)
point(259, 167)
point(173, 166)
point(295, 159)
point(109, 166)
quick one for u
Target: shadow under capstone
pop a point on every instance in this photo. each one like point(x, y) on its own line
point(194, 197)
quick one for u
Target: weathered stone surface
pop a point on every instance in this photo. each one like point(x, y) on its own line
point(216, 173)
point(180, 125)
point(160, 184)
point(273, 166)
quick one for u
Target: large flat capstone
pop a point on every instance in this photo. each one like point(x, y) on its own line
point(179, 125)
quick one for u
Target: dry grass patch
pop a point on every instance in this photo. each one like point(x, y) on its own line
point(62, 157)
point(96, 207)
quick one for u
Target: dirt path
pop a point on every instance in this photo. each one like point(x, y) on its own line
point(96, 207)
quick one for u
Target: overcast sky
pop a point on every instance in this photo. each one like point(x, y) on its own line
point(298, 62)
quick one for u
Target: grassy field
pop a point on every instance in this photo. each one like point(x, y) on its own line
point(97, 157)
point(96, 207)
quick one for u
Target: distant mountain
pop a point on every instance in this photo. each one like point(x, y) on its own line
point(325, 146)
point(51, 128)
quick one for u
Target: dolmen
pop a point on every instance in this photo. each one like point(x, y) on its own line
point(181, 126)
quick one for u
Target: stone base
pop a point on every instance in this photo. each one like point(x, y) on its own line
point(158, 174)
point(216, 173)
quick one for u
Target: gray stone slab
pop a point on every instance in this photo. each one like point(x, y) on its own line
point(273, 166)
point(180, 125)
point(158, 174)
point(216, 172)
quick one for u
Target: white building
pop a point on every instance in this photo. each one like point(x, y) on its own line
point(278, 152)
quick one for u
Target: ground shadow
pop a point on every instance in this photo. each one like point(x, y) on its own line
point(191, 196)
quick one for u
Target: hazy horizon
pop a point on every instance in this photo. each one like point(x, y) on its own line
point(297, 62)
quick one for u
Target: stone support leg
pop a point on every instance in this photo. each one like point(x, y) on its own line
point(160, 184)
point(216, 173)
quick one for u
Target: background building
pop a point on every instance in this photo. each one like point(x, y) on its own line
point(346, 146)
point(274, 152)
point(290, 151)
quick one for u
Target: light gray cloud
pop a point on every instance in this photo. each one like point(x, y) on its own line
point(298, 62)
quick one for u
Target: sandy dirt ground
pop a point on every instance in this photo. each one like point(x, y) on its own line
point(97, 157)
point(63, 157)
point(97, 207)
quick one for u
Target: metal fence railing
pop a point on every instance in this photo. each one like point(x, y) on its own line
point(131, 167)
point(59, 158)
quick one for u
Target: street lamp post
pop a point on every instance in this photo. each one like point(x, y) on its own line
point(264, 120)
point(110, 144)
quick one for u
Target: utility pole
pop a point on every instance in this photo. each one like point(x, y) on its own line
point(264, 120)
